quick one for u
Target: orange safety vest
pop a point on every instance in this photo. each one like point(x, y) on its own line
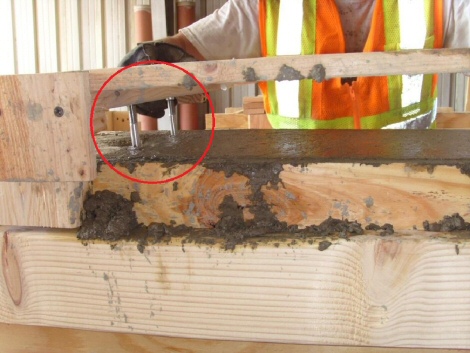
point(399, 101)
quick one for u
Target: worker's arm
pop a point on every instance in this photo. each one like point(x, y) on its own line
point(181, 41)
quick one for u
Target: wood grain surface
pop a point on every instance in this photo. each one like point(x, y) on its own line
point(409, 289)
point(401, 194)
point(36, 144)
point(35, 339)
point(47, 204)
point(151, 82)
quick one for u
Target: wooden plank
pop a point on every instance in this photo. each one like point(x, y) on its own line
point(147, 83)
point(119, 120)
point(407, 290)
point(34, 339)
point(227, 121)
point(253, 105)
point(259, 121)
point(453, 120)
point(233, 110)
point(401, 194)
point(42, 204)
point(468, 94)
point(35, 143)
point(397, 177)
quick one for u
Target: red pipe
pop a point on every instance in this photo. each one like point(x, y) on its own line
point(188, 113)
point(143, 33)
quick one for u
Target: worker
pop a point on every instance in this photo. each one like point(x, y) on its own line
point(254, 28)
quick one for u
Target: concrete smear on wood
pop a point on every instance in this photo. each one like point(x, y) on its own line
point(288, 73)
point(447, 224)
point(249, 75)
point(110, 217)
point(259, 156)
point(318, 73)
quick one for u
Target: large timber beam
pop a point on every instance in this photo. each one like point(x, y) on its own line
point(298, 177)
point(410, 289)
point(147, 83)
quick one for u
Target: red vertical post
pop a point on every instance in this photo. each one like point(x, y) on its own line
point(188, 113)
point(143, 33)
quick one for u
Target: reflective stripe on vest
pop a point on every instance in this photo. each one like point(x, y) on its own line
point(396, 24)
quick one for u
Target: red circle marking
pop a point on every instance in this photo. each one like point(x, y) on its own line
point(92, 128)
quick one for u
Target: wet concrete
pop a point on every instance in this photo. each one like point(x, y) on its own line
point(447, 224)
point(111, 218)
point(255, 147)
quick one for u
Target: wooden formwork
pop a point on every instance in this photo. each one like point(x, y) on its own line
point(407, 289)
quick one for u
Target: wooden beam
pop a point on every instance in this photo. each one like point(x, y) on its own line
point(228, 121)
point(301, 177)
point(46, 204)
point(34, 339)
point(453, 120)
point(410, 289)
point(44, 128)
point(147, 83)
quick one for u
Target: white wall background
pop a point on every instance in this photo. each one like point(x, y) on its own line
point(40, 36)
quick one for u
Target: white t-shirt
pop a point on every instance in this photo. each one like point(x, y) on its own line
point(233, 30)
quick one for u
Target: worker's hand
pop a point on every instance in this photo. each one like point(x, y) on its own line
point(156, 51)
point(161, 52)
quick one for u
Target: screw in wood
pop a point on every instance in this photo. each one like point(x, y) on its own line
point(58, 112)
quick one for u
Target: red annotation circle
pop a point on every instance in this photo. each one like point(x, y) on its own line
point(92, 128)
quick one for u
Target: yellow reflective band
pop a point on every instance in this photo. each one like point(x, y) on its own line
point(279, 122)
point(371, 122)
point(272, 20)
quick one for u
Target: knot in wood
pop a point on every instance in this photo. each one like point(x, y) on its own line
point(11, 270)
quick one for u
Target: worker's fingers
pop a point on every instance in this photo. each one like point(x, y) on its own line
point(194, 98)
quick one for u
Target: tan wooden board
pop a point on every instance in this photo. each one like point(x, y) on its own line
point(468, 94)
point(406, 290)
point(252, 111)
point(37, 145)
point(46, 204)
point(397, 193)
point(147, 83)
point(259, 121)
point(453, 120)
point(34, 339)
point(227, 121)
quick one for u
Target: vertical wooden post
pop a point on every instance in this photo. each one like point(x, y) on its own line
point(46, 153)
